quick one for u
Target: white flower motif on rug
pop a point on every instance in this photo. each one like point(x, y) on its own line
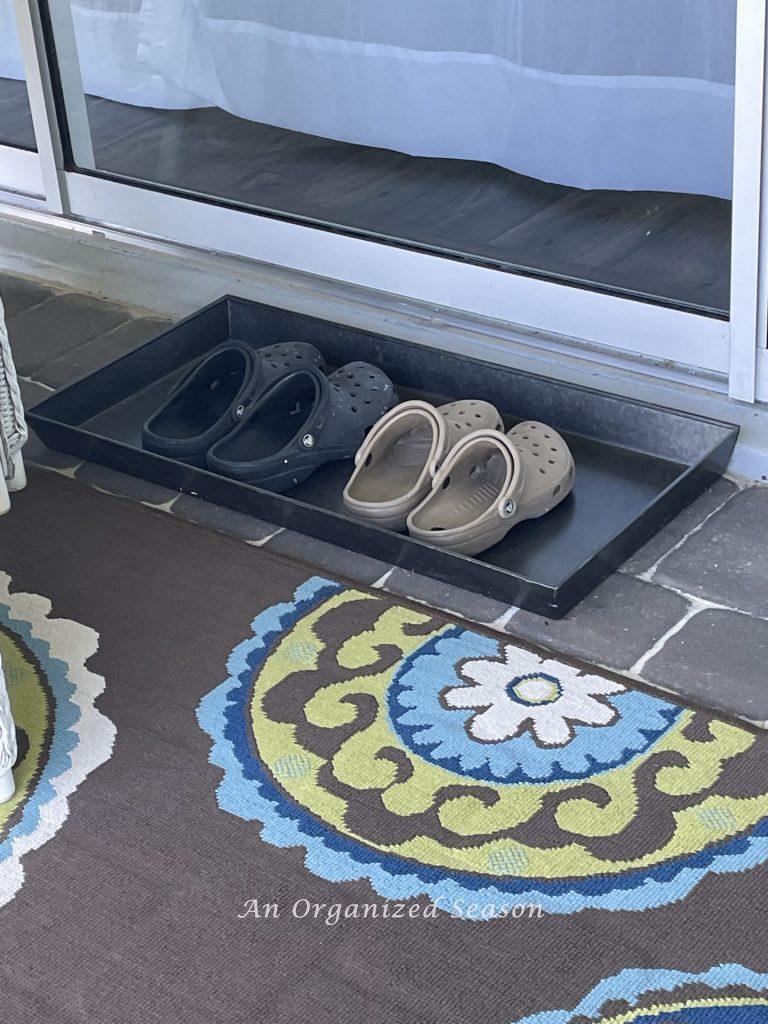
point(522, 691)
point(535, 813)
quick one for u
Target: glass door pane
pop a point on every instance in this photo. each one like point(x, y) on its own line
point(586, 141)
point(15, 117)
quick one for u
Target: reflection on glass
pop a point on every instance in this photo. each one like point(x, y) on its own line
point(15, 117)
point(580, 138)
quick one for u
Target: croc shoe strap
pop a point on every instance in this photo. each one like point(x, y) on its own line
point(416, 405)
point(506, 505)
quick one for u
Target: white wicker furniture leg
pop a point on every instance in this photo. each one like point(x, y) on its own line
point(13, 428)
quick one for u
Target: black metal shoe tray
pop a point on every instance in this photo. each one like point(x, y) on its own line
point(637, 465)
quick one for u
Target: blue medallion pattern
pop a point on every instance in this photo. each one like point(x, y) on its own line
point(725, 994)
point(433, 760)
point(61, 735)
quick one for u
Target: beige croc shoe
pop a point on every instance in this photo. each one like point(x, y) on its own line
point(395, 464)
point(490, 482)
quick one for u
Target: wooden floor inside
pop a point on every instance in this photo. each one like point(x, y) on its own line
point(661, 245)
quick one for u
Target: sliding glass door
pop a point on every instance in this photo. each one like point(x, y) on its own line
point(19, 167)
point(578, 140)
point(566, 166)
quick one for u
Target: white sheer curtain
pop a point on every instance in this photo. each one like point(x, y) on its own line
point(623, 94)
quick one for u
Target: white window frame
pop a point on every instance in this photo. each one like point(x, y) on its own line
point(726, 352)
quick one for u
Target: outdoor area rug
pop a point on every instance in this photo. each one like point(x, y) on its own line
point(249, 793)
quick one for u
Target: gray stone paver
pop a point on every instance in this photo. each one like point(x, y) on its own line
point(726, 561)
point(124, 486)
point(32, 393)
point(614, 626)
point(61, 324)
point(698, 662)
point(326, 558)
point(474, 607)
point(720, 555)
point(19, 293)
point(659, 546)
point(223, 520)
point(101, 350)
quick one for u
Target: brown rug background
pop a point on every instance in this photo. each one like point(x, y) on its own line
point(129, 914)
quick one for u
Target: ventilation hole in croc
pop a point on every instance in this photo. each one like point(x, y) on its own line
point(367, 401)
point(553, 449)
point(532, 426)
point(478, 416)
point(542, 470)
point(535, 444)
point(548, 436)
point(525, 437)
point(551, 462)
point(299, 356)
point(374, 387)
point(535, 455)
point(556, 491)
point(462, 412)
point(446, 482)
point(436, 529)
point(353, 408)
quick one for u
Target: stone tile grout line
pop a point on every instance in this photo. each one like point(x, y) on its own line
point(504, 619)
point(706, 604)
point(37, 383)
point(381, 581)
point(164, 506)
point(648, 574)
point(695, 606)
point(265, 540)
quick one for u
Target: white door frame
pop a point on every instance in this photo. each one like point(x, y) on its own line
point(551, 308)
point(622, 325)
point(41, 102)
point(749, 250)
point(20, 171)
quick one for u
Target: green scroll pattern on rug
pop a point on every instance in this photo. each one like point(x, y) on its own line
point(725, 994)
point(439, 761)
point(61, 736)
point(33, 715)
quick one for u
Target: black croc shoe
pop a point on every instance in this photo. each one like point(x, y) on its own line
point(303, 421)
point(210, 400)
